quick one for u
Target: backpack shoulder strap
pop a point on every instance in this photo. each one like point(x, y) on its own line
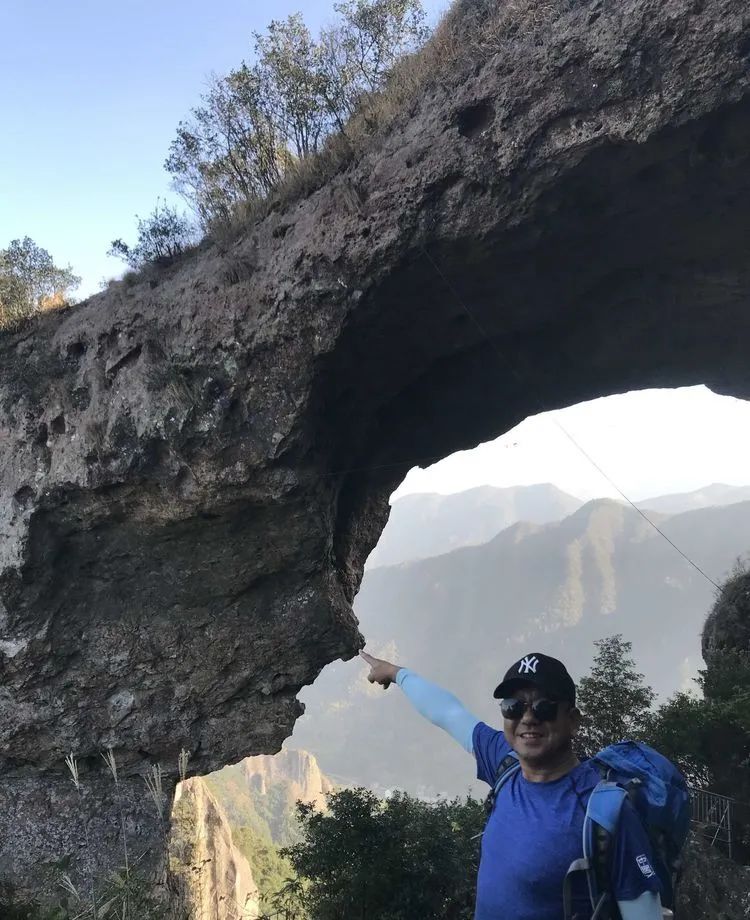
point(599, 827)
point(507, 768)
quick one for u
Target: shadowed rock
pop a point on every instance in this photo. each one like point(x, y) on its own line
point(195, 467)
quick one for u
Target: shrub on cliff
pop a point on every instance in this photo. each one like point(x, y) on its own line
point(709, 735)
point(30, 282)
point(162, 236)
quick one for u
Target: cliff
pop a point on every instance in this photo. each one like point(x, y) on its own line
point(261, 792)
point(196, 465)
point(297, 771)
point(217, 877)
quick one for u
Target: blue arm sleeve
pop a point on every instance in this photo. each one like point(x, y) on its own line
point(646, 907)
point(439, 706)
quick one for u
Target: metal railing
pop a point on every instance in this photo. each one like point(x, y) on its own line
point(711, 816)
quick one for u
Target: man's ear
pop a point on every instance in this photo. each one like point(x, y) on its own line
point(574, 714)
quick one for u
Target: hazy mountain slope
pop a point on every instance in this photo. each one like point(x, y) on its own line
point(716, 494)
point(461, 618)
point(428, 524)
point(260, 792)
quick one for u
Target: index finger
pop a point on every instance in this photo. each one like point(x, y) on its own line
point(368, 658)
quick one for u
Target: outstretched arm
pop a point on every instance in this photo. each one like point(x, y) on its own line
point(434, 703)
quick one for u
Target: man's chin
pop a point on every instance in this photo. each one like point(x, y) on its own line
point(533, 752)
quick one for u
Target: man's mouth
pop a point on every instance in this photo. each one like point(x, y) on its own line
point(530, 736)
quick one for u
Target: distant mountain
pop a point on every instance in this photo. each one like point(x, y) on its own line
point(429, 524)
point(717, 494)
point(260, 792)
point(258, 796)
point(463, 617)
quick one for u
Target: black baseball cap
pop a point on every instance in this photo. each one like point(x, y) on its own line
point(545, 672)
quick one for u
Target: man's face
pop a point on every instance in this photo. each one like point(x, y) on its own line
point(540, 742)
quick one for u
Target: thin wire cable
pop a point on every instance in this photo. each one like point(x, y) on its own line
point(459, 299)
point(645, 517)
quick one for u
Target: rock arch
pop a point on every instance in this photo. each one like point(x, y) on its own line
point(196, 465)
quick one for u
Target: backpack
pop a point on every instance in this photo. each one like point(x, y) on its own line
point(658, 792)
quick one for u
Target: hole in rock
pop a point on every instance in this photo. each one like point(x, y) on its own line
point(532, 542)
point(523, 545)
point(474, 119)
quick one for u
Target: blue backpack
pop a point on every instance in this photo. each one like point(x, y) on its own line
point(658, 792)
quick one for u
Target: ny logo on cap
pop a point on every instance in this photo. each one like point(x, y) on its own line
point(528, 665)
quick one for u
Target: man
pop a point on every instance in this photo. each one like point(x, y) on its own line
point(535, 829)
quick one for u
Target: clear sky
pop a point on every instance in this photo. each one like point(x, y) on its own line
point(649, 443)
point(93, 94)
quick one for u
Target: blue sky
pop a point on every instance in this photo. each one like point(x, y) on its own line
point(94, 93)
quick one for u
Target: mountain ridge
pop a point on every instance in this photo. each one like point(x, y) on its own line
point(426, 524)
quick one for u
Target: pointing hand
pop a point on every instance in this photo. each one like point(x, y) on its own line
point(381, 672)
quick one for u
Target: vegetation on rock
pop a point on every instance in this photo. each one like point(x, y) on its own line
point(162, 236)
point(30, 282)
point(256, 124)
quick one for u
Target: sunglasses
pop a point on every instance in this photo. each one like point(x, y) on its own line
point(542, 710)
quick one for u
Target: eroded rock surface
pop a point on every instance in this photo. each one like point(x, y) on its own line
point(218, 879)
point(297, 771)
point(194, 467)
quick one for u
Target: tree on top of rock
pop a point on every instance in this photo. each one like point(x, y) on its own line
point(31, 282)
point(254, 124)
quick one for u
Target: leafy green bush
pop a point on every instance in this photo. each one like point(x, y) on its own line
point(393, 860)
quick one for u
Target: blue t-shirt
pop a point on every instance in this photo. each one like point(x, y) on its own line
point(535, 832)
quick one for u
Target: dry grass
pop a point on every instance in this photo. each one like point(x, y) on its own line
point(13, 319)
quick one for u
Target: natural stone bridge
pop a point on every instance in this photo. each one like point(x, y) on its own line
point(194, 467)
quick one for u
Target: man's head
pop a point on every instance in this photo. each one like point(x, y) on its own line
point(538, 704)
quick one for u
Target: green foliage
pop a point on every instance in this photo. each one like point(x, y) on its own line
point(256, 123)
point(162, 236)
point(288, 72)
point(270, 869)
point(680, 730)
point(393, 860)
point(30, 281)
point(230, 151)
point(613, 699)
point(259, 822)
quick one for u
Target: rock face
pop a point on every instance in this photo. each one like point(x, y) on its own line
point(195, 466)
point(712, 886)
point(219, 879)
point(297, 771)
